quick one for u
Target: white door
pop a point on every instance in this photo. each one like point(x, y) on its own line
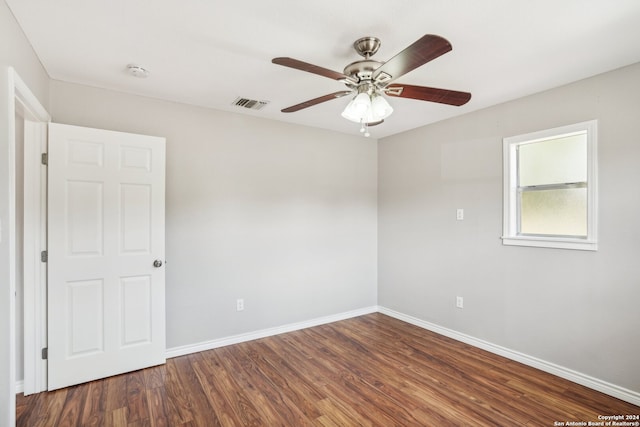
point(106, 297)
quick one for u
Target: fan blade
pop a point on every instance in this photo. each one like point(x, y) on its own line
point(425, 49)
point(315, 101)
point(423, 93)
point(310, 68)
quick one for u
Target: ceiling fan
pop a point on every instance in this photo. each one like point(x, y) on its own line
point(368, 80)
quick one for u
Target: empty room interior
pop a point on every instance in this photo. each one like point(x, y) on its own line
point(318, 213)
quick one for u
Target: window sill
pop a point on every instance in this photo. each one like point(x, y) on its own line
point(550, 242)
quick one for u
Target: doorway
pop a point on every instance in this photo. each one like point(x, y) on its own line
point(18, 102)
point(30, 120)
point(133, 313)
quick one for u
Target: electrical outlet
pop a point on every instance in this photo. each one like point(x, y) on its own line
point(459, 214)
point(239, 304)
point(459, 302)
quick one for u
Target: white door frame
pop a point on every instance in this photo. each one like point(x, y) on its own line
point(16, 92)
point(34, 242)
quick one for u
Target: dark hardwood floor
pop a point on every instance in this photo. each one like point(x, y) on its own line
point(371, 371)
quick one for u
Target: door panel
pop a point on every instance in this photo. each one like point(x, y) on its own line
point(136, 221)
point(85, 307)
point(136, 310)
point(84, 218)
point(106, 228)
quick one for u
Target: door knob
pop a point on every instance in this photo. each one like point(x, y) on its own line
point(157, 263)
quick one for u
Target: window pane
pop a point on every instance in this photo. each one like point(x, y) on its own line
point(553, 161)
point(554, 212)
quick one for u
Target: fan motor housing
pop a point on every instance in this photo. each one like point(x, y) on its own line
point(362, 70)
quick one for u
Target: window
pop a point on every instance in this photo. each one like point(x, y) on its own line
point(550, 188)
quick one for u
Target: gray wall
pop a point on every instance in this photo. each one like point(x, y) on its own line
point(281, 215)
point(15, 51)
point(573, 308)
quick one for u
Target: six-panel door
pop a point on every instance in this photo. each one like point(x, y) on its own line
point(106, 300)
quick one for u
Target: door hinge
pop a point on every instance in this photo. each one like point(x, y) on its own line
point(44, 256)
point(44, 159)
point(45, 353)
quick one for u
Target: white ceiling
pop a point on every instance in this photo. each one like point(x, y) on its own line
point(209, 52)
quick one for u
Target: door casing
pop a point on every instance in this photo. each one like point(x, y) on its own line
point(34, 270)
point(17, 93)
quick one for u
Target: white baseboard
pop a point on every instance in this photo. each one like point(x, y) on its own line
point(235, 339)
point(560, 371)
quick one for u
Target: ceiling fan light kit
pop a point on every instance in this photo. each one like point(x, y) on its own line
point(369, 80)
point(368, 106)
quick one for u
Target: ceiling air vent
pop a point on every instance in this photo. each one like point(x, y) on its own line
point(251, 104)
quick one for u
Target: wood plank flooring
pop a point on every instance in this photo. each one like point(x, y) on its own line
point(372, 370)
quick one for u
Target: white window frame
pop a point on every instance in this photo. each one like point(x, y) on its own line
point(511, 212)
